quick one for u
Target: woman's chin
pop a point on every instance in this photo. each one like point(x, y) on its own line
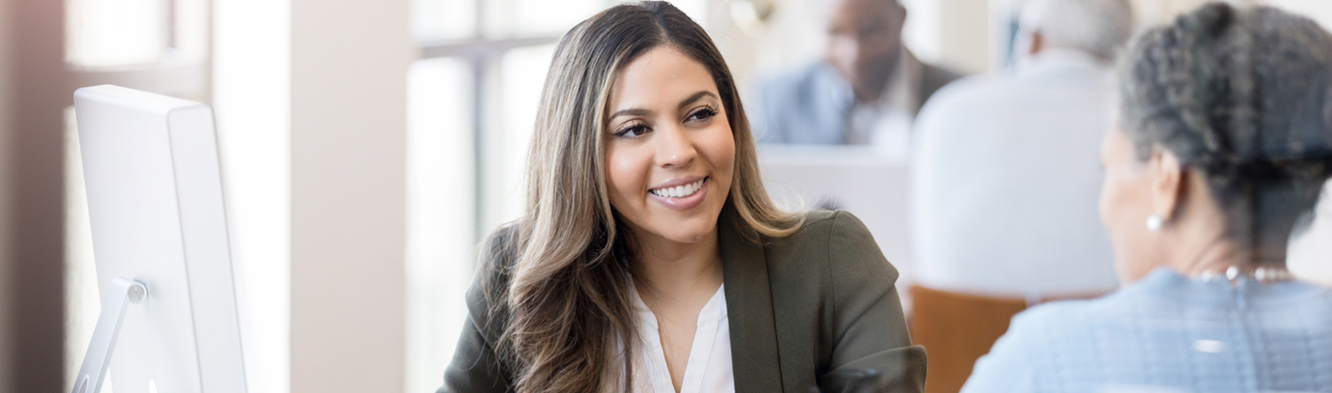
point(685, 234)
point(686, 237)
point(674, 227)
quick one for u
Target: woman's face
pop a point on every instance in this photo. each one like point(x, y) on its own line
point(1126, 202)
point(669, 150)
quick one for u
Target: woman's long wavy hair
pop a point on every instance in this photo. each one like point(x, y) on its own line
point(568, 300)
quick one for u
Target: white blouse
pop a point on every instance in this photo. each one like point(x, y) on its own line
point(709, 366)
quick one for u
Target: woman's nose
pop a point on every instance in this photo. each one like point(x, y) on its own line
point(674, 147)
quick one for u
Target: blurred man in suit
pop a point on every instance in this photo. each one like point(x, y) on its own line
point(1005, 184)
point(868, 86)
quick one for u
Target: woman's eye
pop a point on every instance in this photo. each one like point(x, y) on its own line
point(702, 114)
point(632, 131)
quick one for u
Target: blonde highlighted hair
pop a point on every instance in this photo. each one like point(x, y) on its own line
point(567, 298)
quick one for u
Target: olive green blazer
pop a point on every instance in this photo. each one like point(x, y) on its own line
point(817, 308)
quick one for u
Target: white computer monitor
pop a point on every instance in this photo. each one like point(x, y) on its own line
point(169, 321)
point(859, 179)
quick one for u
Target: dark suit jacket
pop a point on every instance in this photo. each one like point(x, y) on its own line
point(817, 308)
point(812, 105)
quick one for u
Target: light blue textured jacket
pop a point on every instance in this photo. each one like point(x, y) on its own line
point(1168, 333)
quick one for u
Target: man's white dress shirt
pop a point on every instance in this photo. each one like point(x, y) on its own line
point(1006, 178)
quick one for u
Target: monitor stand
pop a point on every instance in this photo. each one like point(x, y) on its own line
point(123, 292)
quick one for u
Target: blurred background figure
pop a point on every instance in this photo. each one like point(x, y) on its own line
point(867, 89)
point(1005, 182)
point(1223, 144)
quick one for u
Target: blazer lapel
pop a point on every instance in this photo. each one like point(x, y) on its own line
point(749, 308)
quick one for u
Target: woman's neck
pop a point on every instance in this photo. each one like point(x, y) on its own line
point(1210, 257)
point(1199, 241)
point(1221, 254)
point(678, 271)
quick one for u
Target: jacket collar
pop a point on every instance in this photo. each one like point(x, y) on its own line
point(749, 306)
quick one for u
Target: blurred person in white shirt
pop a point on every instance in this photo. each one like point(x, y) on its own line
point(1005, 182)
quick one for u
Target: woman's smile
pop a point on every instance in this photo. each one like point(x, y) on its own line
point(681, 194)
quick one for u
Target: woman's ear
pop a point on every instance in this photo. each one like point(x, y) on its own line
point(1168, 185)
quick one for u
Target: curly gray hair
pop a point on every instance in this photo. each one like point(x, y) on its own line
point(1244, 96)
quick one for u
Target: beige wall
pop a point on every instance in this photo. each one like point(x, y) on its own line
point(6, 130)
point(349, 61)
point(965, 35)
point(39, 93)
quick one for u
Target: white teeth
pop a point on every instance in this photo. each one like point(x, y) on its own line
point(678, 191)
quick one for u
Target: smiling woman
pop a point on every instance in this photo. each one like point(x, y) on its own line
point(671, 153)
point(650, 258)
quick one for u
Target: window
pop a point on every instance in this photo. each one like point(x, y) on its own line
point(440, 226)
point(106, 33)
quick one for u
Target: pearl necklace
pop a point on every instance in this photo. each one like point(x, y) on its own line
point(1261, 274)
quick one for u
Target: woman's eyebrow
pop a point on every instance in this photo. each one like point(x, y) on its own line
point(631, 112)
point(695, 97)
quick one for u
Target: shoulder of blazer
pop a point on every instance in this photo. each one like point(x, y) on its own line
point(823, 247)
point(805, 250)
point(814, 231)
point(823, 276)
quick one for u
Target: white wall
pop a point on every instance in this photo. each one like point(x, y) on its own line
point(1318, 10)
point(1310, 256)
point(349, 61)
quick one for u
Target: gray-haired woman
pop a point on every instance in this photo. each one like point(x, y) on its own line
point(1225, 140)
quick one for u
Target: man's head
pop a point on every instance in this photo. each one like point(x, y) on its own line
point(1096, 27)
point(864, 40)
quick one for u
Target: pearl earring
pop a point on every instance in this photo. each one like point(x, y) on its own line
point(1154, 223)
